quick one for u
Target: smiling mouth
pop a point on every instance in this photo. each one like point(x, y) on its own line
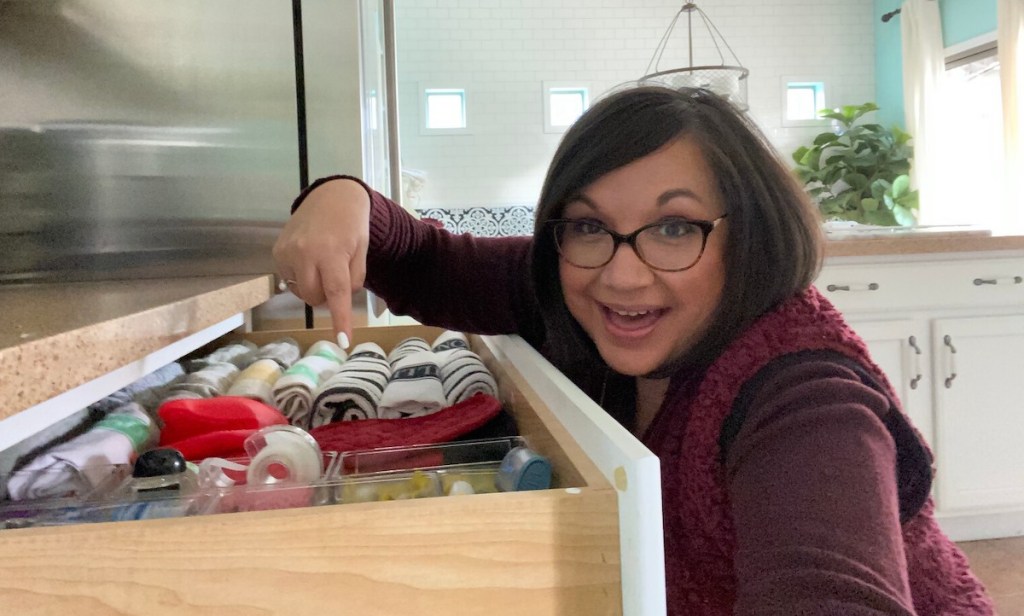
point(631, 323)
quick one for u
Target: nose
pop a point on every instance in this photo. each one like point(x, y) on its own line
point(626, 270)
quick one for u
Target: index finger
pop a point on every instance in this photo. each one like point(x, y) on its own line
point(338, 290)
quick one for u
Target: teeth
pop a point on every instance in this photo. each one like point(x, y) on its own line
point(630, 313)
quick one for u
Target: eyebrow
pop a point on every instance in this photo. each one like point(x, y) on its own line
point(663, 198)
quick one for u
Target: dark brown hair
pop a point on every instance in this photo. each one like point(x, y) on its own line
point(773, 243)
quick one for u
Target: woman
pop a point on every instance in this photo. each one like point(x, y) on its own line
point(669, 275)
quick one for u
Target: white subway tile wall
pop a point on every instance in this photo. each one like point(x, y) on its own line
point(502, 51)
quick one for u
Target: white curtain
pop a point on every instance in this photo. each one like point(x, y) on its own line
point(924, 66)
point(1010, 38)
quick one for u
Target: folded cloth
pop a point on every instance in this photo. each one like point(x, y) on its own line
point(212, 380)
point(146, 390)
point(240, 354)
point(257, 381)
point(414, 387)
point(405, 347)
point(355, 390)
point(445, 425)
point(79, 465)
point(214, 426)
point(284, 351)
point(463, 374)
point(449, 340)
point(293, 392)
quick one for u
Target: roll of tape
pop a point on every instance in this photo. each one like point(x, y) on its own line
point(283, 453)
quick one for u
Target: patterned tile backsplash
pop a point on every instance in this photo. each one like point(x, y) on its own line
point(500, 221)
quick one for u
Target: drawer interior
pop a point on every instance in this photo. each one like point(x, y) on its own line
point(553, 551)
point(534, 421)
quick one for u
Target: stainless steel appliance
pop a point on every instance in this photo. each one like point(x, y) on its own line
point(159, 138)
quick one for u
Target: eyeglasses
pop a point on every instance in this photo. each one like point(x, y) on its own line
point(669, 245)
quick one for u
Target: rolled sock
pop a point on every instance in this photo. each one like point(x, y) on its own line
point(241, 354)
point(79, 465)
point(257, 381)
point(405, 347)
point(212, 380)
point(293, 392)
point(463, 374)
point(449, 340)
point(355, 390)
point(146, 390)
point(414, 388)
point(284, 351)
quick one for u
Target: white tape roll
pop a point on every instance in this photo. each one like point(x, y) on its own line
point(283, 448)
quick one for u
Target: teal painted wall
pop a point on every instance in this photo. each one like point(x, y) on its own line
point(961, 20)
point(888, 65)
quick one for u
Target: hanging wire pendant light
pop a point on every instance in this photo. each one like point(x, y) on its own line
point(727, 80)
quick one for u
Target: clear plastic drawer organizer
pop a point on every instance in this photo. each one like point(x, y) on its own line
point(286, 469)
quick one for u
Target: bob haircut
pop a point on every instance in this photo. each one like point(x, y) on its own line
point(773, 242)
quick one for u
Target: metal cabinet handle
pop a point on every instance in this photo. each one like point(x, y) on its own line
point(1000, 280)
point(948, 341)
point(912, 341)
point(871, 286)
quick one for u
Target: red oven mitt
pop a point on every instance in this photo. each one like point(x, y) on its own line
point(440, 427)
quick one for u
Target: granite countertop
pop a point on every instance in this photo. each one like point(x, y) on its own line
point(922, 242)
point(57, 336)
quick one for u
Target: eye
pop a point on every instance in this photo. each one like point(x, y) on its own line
point(675, 228)
point(583, 227)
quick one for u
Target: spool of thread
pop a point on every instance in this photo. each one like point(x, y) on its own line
point(283, 453)
point(523, 469)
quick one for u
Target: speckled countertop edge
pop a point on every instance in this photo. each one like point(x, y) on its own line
point(39, 368)
point(923, 244)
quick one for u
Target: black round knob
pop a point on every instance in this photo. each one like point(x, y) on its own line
point(156, 462)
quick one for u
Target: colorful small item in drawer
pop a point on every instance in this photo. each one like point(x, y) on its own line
point(469, 482)
point(405, 486)
point(524, 469)
point(163, 470)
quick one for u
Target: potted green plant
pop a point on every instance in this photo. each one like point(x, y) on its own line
point(859, 171)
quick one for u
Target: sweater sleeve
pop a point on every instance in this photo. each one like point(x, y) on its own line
point(461, 282)
point(813, 486)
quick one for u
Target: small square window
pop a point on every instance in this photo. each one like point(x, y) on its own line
point(444, 111)
point(802, 100)
point(563, 105)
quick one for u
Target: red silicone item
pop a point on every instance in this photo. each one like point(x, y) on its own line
point(188, 418)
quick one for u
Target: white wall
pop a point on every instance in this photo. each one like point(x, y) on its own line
point(502, 50)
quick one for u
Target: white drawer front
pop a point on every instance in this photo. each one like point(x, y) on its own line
point(924, 285)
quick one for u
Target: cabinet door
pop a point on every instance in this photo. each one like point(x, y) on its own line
point(979, 404)
point(900, 348)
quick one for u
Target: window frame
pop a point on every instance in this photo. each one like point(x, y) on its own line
point(820, 85)
point(425, 92)
point(556, 87)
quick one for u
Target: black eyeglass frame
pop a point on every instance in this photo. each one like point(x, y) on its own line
point(705, 226)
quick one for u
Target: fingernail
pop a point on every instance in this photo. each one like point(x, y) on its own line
point(343, 341)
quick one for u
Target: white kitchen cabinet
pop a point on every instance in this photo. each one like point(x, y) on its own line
point(901, 348)
point(949, 334)
point(979, 412)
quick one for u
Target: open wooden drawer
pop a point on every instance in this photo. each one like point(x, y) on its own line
point(590, 545)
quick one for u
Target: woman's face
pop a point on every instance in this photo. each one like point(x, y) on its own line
point(638, 317)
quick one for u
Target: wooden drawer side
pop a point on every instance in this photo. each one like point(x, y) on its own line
point(538, 553)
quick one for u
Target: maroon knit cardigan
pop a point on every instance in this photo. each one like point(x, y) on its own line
point(700, 539)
